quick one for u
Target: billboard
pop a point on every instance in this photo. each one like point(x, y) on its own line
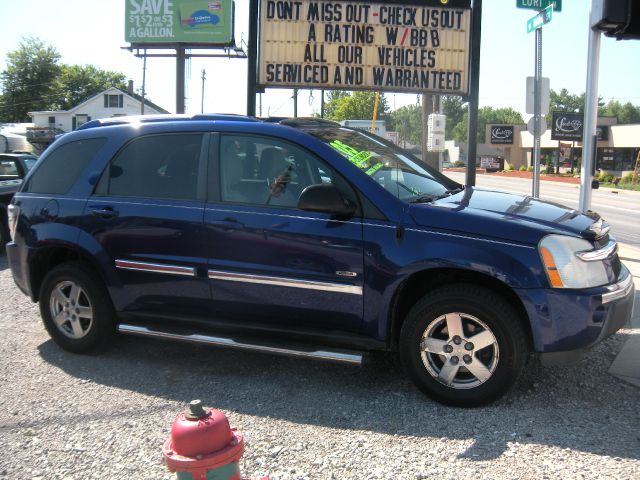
point(356, 45)
point(179, 21)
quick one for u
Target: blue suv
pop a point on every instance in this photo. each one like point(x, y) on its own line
point(306, 238)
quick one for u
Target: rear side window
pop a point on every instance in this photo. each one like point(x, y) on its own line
point(157, 166)
point(59, 171)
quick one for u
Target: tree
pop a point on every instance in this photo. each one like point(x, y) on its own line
point(563, 101)
point(76, 83)
point(333, 99)
point(566, 102)
point(626, 113)
point(407, 121)
point(487, 115)
point(28, 81)
point(454, 108)
point(354, 106)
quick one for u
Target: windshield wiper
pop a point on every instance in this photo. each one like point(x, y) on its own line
point(427, 198)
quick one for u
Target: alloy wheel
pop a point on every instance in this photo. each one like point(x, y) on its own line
point(459, 350)
point(71, 309)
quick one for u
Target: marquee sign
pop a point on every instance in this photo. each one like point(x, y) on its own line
point(357, 45)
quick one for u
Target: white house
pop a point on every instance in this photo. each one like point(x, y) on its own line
point(113, 102)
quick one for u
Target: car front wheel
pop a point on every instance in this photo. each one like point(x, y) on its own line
point(463, 345)
point(75, 308)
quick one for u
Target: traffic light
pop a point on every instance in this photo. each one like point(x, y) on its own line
point(617, 18)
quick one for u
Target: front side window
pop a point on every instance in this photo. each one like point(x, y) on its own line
point(57, 173)
point(390, 167)
point(156, 166)
point(268, 172)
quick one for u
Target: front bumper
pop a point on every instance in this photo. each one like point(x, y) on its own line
point(566, 323)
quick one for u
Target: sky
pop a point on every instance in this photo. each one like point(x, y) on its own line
point(92, 32)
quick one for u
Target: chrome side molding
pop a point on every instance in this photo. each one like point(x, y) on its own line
point(284, 282)
point(353, 358)
point(155, 268)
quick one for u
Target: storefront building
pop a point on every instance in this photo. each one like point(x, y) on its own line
point(617, 153)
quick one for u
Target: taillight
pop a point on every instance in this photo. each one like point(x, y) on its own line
point(13, 212)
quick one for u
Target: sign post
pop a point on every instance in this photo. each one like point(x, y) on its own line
point(535, 23)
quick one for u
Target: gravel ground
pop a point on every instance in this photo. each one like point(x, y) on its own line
point(106, 416)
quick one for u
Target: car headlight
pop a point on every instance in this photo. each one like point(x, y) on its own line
point(572, 263)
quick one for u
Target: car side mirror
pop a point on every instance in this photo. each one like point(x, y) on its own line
point(326, 198)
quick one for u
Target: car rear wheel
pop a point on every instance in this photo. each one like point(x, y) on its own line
point(75, 308)
point(463, 345)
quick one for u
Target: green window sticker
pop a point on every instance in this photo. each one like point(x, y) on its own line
point(358, 158)
point(375, 168)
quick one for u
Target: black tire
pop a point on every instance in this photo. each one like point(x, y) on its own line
point(85, 317)
point(455, 371)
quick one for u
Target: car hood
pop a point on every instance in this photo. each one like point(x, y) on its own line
point(503, 215)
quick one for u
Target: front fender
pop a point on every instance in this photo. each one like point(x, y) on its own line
point(515, 265)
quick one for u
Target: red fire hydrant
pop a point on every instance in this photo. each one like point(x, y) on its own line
point(202, 446)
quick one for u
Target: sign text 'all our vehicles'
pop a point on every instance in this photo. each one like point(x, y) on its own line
point(351, 45)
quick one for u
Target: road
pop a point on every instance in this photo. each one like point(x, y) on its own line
point(621, 208)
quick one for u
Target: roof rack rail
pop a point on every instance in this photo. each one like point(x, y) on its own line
point(306, 122)
point(164, 118)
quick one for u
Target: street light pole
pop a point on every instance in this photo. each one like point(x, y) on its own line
point(590, 116)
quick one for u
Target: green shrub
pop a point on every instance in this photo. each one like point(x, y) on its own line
point(549, 169)
point(530, 168)
point(628, 178)
point(509, 168)
point(523, 168)
point(459, 164)
point(606, 178)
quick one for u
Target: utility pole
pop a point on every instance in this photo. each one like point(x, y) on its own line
point(295, 103)
point(204, 76)
point(144, 81)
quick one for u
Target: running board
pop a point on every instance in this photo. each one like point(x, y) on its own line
point(344, 356)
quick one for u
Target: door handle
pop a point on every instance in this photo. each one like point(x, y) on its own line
point(228, 223)
point(104, 212)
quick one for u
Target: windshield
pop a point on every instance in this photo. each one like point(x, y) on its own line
point(393, 168)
